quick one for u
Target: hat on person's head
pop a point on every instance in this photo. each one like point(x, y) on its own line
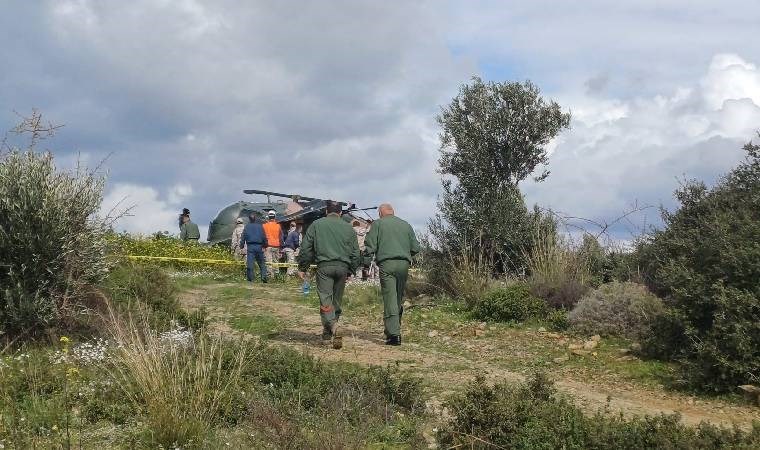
point(271, 213)
point(185, 212)
point(239, 220)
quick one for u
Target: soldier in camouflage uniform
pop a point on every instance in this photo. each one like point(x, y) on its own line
point(331, 244)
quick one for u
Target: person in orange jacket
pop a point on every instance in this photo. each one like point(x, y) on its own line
point(275, 239)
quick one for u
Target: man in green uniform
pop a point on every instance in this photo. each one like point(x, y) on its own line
point(393, 243)
point(188, 231)
point(331, 244)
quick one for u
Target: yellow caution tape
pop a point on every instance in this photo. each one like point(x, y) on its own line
point(173, 258)
point(221, 261)
point(210, 261)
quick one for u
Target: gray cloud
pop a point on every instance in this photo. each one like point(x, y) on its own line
point(597, 84)
point(338, 98)
point(331, 101)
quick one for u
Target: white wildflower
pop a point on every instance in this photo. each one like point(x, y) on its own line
point(179, 336)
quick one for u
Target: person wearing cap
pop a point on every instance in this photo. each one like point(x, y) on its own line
point(331, 244)
point(255, 241)
point(188, 231)
point(292, 241)
point(393, 243)
point(275, 238)
point(237, 235)
point(185, 212)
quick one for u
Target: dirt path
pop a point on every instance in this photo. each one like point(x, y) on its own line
point(446, 371)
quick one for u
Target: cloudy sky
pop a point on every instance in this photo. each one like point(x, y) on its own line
point(197, 100)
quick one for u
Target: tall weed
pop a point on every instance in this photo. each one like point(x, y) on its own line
point(183, 384)
point(466, 276)
point(556, 271)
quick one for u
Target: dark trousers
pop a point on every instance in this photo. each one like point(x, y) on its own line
point(255, 252)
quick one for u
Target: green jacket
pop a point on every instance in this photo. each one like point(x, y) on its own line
point(391, 238)
point(329, 239)
point(189, 231)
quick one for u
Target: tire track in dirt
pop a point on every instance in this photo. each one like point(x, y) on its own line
point(448, 373)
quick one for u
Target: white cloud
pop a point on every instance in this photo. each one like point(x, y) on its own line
point(179, 193)
point(148, 212)
point(730, 78)
point(622, 151)
point(200, 100)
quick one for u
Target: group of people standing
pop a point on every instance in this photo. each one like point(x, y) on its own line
point(264, 243)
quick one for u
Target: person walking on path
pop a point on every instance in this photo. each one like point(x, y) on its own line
point(331, 244)
point(292, 241)
point(188, 231)
point(237, 236)
point(275, 237)
point(255, 241)
point(393, 243)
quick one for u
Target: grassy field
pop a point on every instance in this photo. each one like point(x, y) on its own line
point(290, 391)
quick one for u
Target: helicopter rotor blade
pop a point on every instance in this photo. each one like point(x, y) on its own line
point(278, 194)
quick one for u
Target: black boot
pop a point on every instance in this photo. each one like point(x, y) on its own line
point(393, 340)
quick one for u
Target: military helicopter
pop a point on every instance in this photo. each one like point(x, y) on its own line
point(301, 209)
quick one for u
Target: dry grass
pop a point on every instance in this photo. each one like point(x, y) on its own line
point(558, 273)
point(183, 386)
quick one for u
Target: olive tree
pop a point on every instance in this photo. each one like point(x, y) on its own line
point(493, 136)
point(52, 242)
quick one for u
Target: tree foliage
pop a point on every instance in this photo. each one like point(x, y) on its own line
point(52, 244)
point(706, 264)
point(493, 136)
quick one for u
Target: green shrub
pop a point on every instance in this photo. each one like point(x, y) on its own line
point(617, 309)
point(705, 263)
point(146, 289)
point(307, 403)
point(558, 320)
point(52, 245)
point(533, 416)
point(513, 303)
point(293, 376)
